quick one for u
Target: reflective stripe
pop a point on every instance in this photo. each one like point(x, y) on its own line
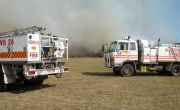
point(13, 54)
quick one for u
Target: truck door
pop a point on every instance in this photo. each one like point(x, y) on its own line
point(122, 52)
point(133, 52)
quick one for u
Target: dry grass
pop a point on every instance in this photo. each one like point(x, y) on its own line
point(89, 85)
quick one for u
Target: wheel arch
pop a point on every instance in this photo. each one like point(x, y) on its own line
point(132, 63)
point(175, 69)
point(169, 65)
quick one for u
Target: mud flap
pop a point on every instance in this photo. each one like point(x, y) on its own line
point(3, 86)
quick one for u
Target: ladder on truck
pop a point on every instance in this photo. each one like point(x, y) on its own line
point(24, 31)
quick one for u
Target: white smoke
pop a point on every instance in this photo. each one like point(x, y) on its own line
point(88, 23)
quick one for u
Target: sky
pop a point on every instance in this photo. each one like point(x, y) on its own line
point(90, 23)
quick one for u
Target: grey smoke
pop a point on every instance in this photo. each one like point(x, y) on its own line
point(87, 23)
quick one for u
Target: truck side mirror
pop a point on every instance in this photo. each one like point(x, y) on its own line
point(104, 47)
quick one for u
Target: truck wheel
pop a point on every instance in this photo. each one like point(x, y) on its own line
point(127, 70)
point(3, 86)
point(175, 70)
point(116, 71)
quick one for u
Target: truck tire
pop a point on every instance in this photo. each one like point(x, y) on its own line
point(127, 70)
point(175, 70)
point(3, 86)
point(33, 83)
point(116, 71)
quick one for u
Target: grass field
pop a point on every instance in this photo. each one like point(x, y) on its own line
point(89, 85)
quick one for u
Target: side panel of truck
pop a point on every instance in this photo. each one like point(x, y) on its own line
point(13, 49)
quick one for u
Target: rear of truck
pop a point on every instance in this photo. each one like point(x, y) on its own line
point(31, 56)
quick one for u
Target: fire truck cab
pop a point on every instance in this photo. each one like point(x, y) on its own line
point(128, 56)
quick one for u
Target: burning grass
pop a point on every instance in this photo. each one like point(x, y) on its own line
point(89, 85)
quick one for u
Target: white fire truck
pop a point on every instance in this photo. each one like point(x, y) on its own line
point(128, 56)
point(28, 55)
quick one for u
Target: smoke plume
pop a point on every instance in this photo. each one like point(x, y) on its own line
point(88, 23)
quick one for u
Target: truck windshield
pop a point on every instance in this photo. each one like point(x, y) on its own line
point(113, 46)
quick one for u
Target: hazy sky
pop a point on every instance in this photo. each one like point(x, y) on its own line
point(90, 23)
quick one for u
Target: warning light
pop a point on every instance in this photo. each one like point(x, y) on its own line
point(31, 72)
point(112, 58)
point(66, 41)
point(66, 69)
point(126, 38)
point(129, 37)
